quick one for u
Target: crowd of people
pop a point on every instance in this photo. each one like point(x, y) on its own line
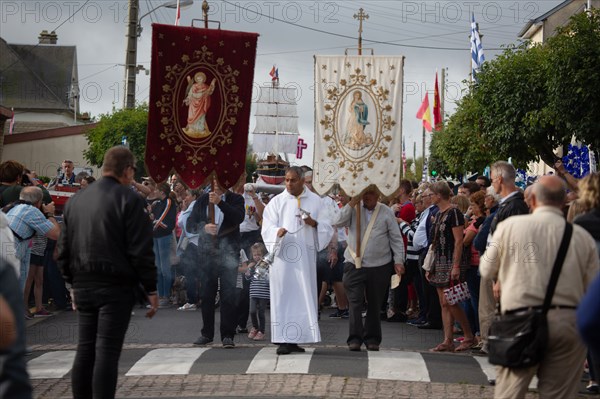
point(251, 255)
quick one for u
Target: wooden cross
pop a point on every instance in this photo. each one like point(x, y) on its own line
point(361, 16)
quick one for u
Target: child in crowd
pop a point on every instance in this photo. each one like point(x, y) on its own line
point(259, 294)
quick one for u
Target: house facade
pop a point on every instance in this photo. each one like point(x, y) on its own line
point(39, 89)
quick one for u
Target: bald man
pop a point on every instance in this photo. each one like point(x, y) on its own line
point(521, 256)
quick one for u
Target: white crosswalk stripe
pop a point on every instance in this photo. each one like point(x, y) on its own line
point(267, 361)
point(394, 365)
point(383, 365)
point(51, 365)
point(167, 361)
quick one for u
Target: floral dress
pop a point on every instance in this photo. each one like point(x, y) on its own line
point(444, 247)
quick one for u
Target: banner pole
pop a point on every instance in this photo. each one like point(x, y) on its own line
point(358, 241)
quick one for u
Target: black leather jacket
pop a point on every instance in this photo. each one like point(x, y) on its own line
point(106, 238)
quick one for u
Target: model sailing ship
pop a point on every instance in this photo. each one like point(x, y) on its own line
point(276, 132)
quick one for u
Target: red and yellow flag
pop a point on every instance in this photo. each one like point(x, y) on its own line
point(424, 113)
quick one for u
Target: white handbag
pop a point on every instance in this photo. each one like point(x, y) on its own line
point(429, 259)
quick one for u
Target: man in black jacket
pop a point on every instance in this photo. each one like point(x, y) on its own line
point(105, 252)
point(512, 203)
point(219, 255)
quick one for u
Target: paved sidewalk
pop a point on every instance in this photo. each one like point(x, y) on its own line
point(271, 385)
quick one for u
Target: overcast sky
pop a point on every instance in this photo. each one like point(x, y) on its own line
point(430, 34)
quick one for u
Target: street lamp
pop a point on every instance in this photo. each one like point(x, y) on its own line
point(134, 29)
point(168, 4)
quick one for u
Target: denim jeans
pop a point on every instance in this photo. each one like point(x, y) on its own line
point(191, 271)
point(162, 253)
point(103, 319)
point(14, 380)
point(471, 306)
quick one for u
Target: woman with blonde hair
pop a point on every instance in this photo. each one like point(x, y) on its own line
point(450, 265)
point(589, 200)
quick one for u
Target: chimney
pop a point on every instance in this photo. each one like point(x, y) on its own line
point(48, 38)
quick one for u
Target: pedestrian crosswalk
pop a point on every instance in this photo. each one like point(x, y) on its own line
point(383, 365)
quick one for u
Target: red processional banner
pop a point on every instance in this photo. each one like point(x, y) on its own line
point(200, 99)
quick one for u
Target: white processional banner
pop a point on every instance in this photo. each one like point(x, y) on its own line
point(358, 123)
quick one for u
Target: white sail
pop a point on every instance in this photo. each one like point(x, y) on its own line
point(276, 94)
point(276, 129)
point(285, 143)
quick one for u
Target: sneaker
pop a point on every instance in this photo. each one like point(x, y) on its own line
point(336, 315)
point(203, 341)
point(228, 343)
point(345, 314)
point(42, 313)
point(241, 330)
point(259, 336)
point(187, 306)
point(28, 315)
point(252, 333)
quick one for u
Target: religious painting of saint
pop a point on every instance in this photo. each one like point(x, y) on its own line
point(198, 97)
point(356, 138)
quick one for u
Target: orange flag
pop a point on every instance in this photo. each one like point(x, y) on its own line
point(437, 107)
point(424, 113)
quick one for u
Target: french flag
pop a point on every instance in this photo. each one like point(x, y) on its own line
point(274, 73)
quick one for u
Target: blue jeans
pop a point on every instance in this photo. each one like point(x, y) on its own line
point(471, 306)
point(162, 253)
point(103, 319)
point(14, 380)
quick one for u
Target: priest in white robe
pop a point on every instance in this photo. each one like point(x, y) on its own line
point(297, 220)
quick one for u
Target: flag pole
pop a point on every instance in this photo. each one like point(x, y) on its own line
point(205, 8)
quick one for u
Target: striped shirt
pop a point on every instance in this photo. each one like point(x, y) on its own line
point(408, 231)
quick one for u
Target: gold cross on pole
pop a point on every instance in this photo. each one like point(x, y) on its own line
point(361, 16)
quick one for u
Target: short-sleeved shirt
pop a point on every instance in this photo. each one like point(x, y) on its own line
point(25, 220)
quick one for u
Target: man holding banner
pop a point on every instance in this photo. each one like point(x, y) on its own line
point(367, 275)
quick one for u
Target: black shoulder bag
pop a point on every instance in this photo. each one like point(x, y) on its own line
point(519, 340)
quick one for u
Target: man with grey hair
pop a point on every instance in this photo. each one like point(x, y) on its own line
point(27, 218)
point(521, 256)
point(512, 202)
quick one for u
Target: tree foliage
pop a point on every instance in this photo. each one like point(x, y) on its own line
point(132, 123)
point(529, 101)
point(573, 82)
point(460, 147)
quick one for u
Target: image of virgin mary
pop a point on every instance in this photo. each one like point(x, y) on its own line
point(198, 101)
point(358, 114)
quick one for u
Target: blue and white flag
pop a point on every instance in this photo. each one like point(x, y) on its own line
point(477, 56)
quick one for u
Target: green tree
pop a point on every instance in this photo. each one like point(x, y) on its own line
point(513, 106)
point(250, 163)
point(417, 175)
point(132, 123)
point(531, 100)
point(460, 146)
